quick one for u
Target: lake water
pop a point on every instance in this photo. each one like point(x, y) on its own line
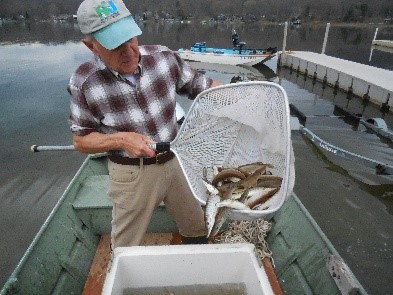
point(352, 205)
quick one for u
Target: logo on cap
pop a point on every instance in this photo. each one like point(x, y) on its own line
point(107, 9)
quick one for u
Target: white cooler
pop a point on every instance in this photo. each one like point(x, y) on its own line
point(186, 266)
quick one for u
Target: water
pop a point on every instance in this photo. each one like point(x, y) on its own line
point(208, 289)
point(351, 204)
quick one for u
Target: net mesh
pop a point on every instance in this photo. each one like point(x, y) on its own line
point(234, 125)
point(246, 231)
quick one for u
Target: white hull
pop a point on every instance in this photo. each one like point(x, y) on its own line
point(228, 59)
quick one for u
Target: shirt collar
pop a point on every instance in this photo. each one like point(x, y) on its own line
point(102, 66)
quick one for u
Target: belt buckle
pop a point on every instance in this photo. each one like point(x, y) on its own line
point(160, 158)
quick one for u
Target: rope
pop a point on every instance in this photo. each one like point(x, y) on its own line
point(253, 232)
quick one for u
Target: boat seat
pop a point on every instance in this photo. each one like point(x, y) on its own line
point(93, 193)
point(94, 209)
point(91, 204)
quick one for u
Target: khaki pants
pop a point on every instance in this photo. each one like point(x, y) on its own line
point(136, 191)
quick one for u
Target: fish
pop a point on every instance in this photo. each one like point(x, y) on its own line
point(259, 195)
point(249, 169)
point(230, 200)
point(272, 181)
point(216, 169)
point(264, 205)
point(233, 204)
point(236, 194)
point(211, 209)
point(247, 187)
point(211, 212)
point(210, 188)
point(221, 218)
point(232, 175)
point(248, 182)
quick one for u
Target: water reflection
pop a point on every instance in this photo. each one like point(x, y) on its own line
point(354, 104)
point(352, 43)
point(41, 32)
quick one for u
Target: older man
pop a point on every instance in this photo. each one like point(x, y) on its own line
point(122, 100)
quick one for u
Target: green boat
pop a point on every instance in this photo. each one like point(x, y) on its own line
point(60, 258)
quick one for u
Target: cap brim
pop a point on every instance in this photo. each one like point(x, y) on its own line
point(115, 34)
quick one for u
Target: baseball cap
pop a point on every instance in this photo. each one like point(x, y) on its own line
point(109, 21)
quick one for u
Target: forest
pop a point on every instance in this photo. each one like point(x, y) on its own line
point(248, 10)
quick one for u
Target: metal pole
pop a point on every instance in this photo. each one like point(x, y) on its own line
point(371, 53)
point(375, 35)
point(41, 148)
point(372, 44)
point(325, 39)
point(284, 44)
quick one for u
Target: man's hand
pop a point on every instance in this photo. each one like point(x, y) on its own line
point(216, 83)
point(136, 145)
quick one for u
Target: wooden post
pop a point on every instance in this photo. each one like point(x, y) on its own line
point(325, 39)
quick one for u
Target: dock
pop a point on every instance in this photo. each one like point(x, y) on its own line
point(385, 43)
point(367, 82)
point(382, 45)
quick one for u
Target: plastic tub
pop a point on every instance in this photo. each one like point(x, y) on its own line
point(186, 266)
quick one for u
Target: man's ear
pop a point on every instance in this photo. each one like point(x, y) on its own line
point(89, 44)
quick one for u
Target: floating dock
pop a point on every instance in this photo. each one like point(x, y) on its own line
point(367, 82)
point(384, 43)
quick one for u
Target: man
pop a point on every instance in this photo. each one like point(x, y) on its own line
point(121, 101)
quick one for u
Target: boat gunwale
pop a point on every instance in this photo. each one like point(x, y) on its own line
point(13, 277)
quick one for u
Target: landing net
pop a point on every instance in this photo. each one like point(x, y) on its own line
point(234, 125)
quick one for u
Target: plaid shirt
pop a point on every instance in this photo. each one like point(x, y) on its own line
point(103, 100)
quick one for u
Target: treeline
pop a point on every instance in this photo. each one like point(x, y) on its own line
point(270, 10)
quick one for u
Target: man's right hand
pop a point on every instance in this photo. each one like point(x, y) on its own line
point(136, 145)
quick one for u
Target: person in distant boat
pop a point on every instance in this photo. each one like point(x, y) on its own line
point(123, 100)
point(235, 38)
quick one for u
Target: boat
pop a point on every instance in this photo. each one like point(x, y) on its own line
point(377, 125)
point(381, 45)
point(71, 252)
point(260, 72)
point(239, 54)
point(296, 22)
point(230, 56)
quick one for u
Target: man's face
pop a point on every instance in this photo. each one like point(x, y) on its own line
point(123, 59)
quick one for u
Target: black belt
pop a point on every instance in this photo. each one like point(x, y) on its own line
point(160, 158)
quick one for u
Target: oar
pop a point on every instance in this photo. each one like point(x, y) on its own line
point(40, 148)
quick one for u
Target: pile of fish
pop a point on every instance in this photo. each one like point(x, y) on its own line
point(246, 187)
